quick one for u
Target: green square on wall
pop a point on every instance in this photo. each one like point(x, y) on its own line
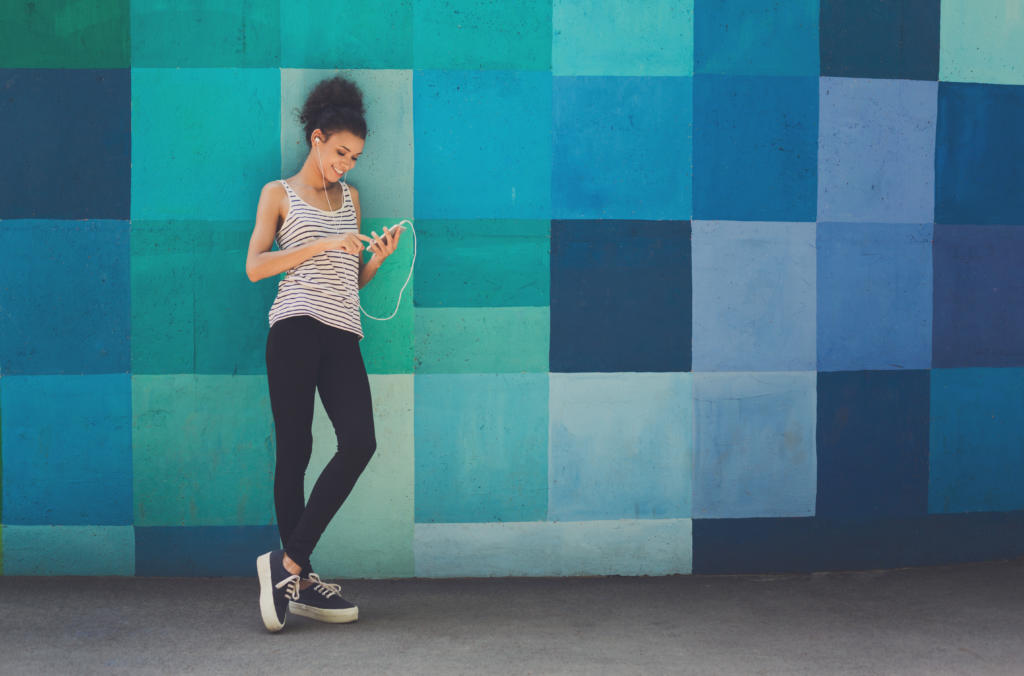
point(62, 34)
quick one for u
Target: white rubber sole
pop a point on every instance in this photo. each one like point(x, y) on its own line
point(336, 615)
point(267, 608)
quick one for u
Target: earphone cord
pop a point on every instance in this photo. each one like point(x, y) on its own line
point(404, 220)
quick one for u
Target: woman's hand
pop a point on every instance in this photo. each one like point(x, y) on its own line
point(382, 248)
point(349, 242)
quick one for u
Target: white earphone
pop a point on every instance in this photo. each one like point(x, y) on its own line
point(388, 232)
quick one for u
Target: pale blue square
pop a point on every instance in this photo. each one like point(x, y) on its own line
point(483, 144)
point(621, 446)
point(876, 155)
point(622, 147)
point(67, 449)
point(754, 444)
point(204, 141)
point(384, 173)
point(754, 297)
point(874, 296)
point(610, 37)
point(481, 447)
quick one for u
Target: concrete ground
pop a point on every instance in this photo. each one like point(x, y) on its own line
point(966, 619)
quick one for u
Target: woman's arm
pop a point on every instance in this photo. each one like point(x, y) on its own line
point(261, 262)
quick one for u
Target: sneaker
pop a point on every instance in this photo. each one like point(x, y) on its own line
point(277, 586)
point(323, 601)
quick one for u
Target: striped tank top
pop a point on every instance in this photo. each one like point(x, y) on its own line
point(325, 286)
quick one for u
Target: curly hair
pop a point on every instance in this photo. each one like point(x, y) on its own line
point(335, 104)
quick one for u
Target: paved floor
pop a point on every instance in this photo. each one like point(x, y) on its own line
point(965, 619)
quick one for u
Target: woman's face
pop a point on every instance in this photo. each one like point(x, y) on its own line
point(338, 153)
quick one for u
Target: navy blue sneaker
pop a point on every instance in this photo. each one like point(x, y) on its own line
point(323, 601)
point(277, 586)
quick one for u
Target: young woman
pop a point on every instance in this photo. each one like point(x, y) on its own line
point(313, 344)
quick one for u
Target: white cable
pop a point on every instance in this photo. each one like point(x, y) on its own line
point(323, 178)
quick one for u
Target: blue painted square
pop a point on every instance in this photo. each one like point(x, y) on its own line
point(979, 293)
point(876, 157)
point(67, 450)
point(979, 143)
point(481, 447)
point(753, 296)
point(483, 144)
point(621, 446)
point(620, 296)
point(754, 444)
point(756, 37)
point(874, 296)
point(68, 550)
point(622, 147)
point(610, 37)
point(976, 464)
point(204, 141)
point(201, 551)
point(755, 147)
point(895, 39)
point(66, 143)
point(64, 297)
point(873, 443)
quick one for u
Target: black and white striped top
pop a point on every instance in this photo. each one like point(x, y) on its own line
point(325, 286)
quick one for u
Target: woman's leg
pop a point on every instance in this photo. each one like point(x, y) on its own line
point(293, 362)
point(345, 392)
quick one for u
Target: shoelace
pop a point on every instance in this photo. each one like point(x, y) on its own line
point(325, 588)
point(293, 586)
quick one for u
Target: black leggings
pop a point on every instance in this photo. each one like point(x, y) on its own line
point(303, 355)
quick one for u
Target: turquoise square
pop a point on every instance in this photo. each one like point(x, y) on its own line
point(756, 37)
point(69, 550)
point(483, 144)
point(621, 446)
point(481, 447)
point(201, 33)
point(204, 141)
point(203, 450)
point(483, 263)
point(611, 37)
point(482, 340)
point(374, 34)
point(482, 34)
point(383, 174)
point(754, 445)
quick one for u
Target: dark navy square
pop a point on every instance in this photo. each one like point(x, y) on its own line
point(979, 292)
point(66, 138)
point(892, 39)
point(621, 296)
point(978, 149)
point(873, 443)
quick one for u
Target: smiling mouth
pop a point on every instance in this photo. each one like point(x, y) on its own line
point(336, 170)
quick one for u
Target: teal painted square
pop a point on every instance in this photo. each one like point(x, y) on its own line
point(204, 141)
point(482, 340)
point(975, 438)
point(483, 263)
point(384, 173)
point(387, 345)
point(67, 450)
point(483, 144)
point(621, 446)
point(205, 33)
point(62, 34)
point(482, 34)
point(374, 34)
point(193, 308)
point(69, 550)
point(481, 447)
point(754, 444)
point(203, 450)
point(756, 37)
point(611, 37)
point(981, 42)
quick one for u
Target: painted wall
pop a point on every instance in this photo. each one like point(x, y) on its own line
point(702, 286)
